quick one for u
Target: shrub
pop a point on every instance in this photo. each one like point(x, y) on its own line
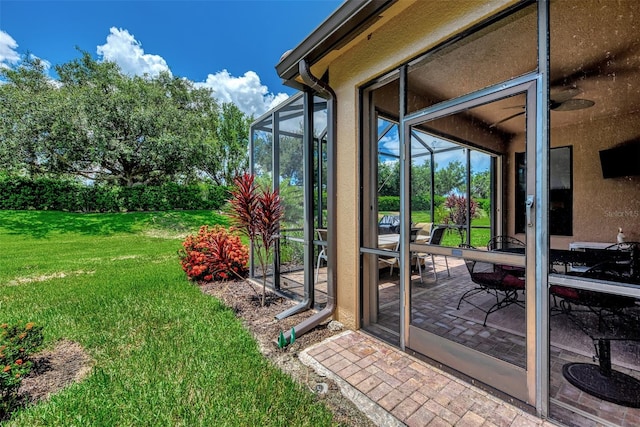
point(18, 192)
point(418, 203)
point(17, 344)
point(484, 204)
point(258, 213)
point(213, 254)
point(389, 203)
point(457, 212)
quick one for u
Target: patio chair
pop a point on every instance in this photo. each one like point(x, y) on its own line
point(423, 231)
point(603, 305)
point(389, 224)
point(630, 268)
point(434, 239)
point(391, 261)
point(493, 281)
point(322, 236)
point(508, 244)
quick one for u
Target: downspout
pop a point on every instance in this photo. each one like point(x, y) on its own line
point(326, 91)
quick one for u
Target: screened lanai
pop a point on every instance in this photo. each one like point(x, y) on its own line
point(279, 148)
point(288, 154)
point(434, 155)
point(525, 115)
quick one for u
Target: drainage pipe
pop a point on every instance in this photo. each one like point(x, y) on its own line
point(325, 90)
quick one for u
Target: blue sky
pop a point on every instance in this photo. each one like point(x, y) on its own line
point(231, 46)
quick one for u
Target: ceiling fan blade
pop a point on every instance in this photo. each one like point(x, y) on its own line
point(564, 94)
point(573, 104)
point(507, 118)
point(611, 65)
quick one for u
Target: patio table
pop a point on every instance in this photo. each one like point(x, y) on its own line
point(601, 380)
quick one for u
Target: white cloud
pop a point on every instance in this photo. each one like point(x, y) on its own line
point(277, 100)
point(123, 49)
point(246, 92)
point(8, 53)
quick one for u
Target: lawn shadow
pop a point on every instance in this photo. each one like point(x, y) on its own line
point(40, 224)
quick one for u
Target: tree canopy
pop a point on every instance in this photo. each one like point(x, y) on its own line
point(100, 124)
point(448, 180)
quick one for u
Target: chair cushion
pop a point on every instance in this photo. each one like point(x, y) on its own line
point(425, 228)
point(513, 281)
point(564, 292)
point(592, 298)
point(498, 279)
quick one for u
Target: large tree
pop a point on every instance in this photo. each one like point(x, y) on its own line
point(481, 184)
point(101, 124)
point(224, 155)
point(29, 104)
point(450, 179)
point(132, 130)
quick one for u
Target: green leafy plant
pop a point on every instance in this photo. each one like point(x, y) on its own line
point(19, 192)
point(213, 254)
point(17, 344)
point(257, 213)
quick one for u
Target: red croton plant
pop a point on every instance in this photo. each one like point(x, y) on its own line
point(457, 212)
point(213, 254)
point(257, 213)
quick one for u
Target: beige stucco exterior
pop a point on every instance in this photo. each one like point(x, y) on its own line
point(600, 206)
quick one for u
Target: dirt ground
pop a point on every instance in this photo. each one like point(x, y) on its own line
point(53, 370)
point(67, 362)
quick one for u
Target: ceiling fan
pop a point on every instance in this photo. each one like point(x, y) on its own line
point(565, 89)
point(562, 99)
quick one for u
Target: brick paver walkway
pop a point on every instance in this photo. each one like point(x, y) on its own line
point(395, 389)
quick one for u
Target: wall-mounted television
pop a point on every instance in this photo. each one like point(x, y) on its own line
point(621, 160)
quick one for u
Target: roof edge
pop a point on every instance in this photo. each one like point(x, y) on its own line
point(349, 20)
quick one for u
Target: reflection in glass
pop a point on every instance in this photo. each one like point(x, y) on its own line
point(479, 304)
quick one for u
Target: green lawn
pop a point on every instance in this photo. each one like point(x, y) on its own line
point(479, 236)
point(164, 353)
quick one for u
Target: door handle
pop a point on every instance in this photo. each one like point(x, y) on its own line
point(529, 205)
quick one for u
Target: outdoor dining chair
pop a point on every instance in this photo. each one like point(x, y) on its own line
point(499, 283)
point(391, 261)
point(434, 239)
point(603, 305)
point(322, 255)
point(629, 268)
point(508, 244)
point(497, 243)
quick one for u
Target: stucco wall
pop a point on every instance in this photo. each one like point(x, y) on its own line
point(600, 205)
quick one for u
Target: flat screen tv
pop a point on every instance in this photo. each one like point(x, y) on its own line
point(621, 160)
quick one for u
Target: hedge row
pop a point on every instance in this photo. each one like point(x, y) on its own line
point(392, 203)
point(51, 194)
